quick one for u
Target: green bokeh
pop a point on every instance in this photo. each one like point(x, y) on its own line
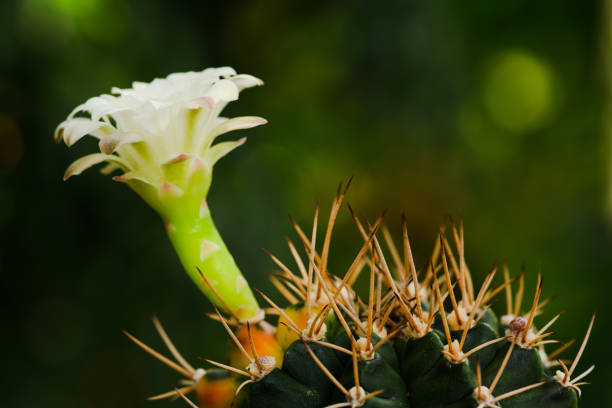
point(518, 92)
point(491, 111)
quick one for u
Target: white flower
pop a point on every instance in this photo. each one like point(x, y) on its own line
point(161, 134)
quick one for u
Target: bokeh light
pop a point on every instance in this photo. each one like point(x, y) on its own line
point(101, 21)
point(518, 91)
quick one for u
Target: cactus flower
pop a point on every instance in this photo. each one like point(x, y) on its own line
point(160, 136)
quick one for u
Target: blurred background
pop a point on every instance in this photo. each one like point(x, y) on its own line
point(497, 112)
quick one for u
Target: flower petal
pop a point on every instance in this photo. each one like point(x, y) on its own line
point(109, 168)
point(243, 81)
point(241, 122)
point(74, 129)
point(220, 71)
point(178, 119)
point(110, 143)
point(221, 149)
point(204, 102)
point(223, 90)
point(132, 176)
point(178, 158)
point(85, 162)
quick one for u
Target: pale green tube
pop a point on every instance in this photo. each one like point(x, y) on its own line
point(199, 245)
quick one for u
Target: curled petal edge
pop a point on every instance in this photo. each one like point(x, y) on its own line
point(85, 162)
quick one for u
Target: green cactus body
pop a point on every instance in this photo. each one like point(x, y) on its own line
point(477, 335)
point(463, 358)
point(452, 352)
point(278, 390)
point(300, 366)
point(550, 395)
point(376, 374)
point(444, 384)
point(418, 356)
point(523, 368)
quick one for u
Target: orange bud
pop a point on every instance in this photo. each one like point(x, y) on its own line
point(265, 345)
point(297, 313)
point(216, 392)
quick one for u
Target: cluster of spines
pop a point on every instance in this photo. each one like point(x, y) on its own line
point(398, 348)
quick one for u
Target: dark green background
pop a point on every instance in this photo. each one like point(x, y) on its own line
point(495, 111)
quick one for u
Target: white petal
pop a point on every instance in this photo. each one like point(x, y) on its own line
point(99, 105)
point(205, 102)
point(243, 81)
point(223, 90)
point(110, 143)
point(220, 71)
point(85, 162)
point(132, 176)
point(241, 122)
point(109, 168)
point(158, 113)
point(221, 149)
point(73, 130)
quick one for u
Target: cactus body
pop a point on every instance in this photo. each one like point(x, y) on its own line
point(451, 352)
point(432, 342)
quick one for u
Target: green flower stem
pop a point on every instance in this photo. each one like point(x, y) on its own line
point(199, 245)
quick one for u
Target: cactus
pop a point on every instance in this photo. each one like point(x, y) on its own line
point(414, 342)
point(420, 338)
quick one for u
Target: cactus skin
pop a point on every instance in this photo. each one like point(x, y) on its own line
point(278, 390)
point(424, 375)
point(300, 366)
